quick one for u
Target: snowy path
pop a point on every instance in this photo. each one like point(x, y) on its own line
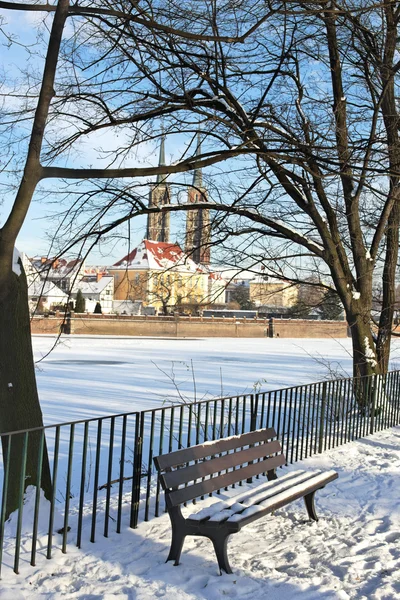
point(352, 552)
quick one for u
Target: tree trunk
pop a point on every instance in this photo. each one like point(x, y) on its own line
point(365, 362)
point(19, 401)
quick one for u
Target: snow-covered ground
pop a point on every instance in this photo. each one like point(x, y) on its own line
point(86, 377)
point(352, 552)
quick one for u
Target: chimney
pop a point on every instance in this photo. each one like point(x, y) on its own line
point(55, 263)
point(43, 260)
point(98, 277)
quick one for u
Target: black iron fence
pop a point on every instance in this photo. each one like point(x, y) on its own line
point(102, 469)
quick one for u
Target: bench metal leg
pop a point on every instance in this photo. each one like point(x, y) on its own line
point(179, 533)
point(220, 543)
point(178, 538)
point(310, 506)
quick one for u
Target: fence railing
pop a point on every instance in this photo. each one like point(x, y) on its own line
point(102, 469)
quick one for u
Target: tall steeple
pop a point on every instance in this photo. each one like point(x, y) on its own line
point(198, 175)
point(158, 222)
point(198, 228)
point(161, 161)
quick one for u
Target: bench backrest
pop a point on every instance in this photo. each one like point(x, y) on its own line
point(211, 466)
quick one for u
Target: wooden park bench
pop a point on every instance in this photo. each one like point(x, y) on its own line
point(199, 470)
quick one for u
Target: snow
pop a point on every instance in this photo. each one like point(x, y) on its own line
point(369, 353)
point(356, 295)
point(16, 267)
point(368, 255)
point(352, 552)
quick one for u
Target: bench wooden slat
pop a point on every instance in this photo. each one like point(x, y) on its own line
point(182, 495)
point(173, 479)
point(186, 455)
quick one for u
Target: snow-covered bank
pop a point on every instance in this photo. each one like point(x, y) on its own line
point(352, 552)
point(91, 377)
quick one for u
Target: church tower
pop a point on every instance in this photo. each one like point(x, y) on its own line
point(198, 228)
point(158, 222)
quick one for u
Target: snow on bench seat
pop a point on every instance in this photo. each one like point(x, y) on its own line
point(251, 496)
point(262, 498)
point(317, 479)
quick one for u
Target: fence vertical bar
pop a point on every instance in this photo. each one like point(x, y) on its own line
point(198, 423)
point(389, 398)
point(296, 411)
point(206, 421)
point(53, 492)
point(160, 451)
point(82, 488)
point(20, 502)
point(121, 473)
point(149, 468)
point(6, 472)
point(37, 497)
point(373, 406)
point(137, 470)
point(180, 430)
point(278, 429)
point(392, 399)
point(383, 398)
point(171, 428)
point(109, 476)
point(313, 434)
point(253, 412)
point(189, 432)
point(68, 488)
point(96, 481)
point(307, 402)
point(328, 416)
point(288, 439)
point(284, 421)
point(274, 409)
point(303, 403)
point(322, 419)
point(253, 421)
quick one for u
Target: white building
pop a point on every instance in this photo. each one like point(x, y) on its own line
point(96, 290)
point(44, 295)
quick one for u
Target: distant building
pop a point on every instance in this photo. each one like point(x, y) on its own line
point(272, 293)
point(55, 282)
point(60, 271)
point(44, 296)
point(160, 275)
point(98, 289)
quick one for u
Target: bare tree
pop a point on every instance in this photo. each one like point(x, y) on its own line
point(74, 83)
point(299, 97)
point(308, 99)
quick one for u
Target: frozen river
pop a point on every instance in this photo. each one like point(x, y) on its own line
point(87, 377)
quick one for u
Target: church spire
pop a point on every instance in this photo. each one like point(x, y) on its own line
point(198, 175)
point(161, 161)
point(158, 222)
